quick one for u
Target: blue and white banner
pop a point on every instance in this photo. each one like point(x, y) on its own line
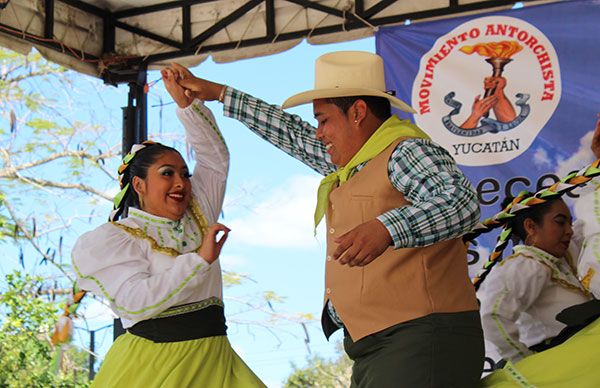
point(512, 95)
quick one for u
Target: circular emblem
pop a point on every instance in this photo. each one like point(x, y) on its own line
point(486, 89)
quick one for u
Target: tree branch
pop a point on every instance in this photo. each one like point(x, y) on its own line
point(67, 186)
point(31, 239)
point(10, 170)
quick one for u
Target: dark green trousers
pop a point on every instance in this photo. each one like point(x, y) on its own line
point(442, 350)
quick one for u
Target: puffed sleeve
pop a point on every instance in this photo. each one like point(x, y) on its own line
point(211, 154)
point(510, 290)
point(115, 265)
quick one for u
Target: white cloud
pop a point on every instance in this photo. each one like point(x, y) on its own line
point(232, 262)
point(284, 218)
point(581, 158)
point(541, 158)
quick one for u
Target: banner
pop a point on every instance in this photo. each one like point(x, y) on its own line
point(512, 95)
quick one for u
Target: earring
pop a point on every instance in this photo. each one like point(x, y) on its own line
point(356, 121)
point(141, 200)
point(529, 242)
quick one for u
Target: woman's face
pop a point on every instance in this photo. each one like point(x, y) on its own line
point(167, 190)
point(554, 233)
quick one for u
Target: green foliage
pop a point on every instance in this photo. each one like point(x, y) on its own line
point(26, 354)
point(321, 373)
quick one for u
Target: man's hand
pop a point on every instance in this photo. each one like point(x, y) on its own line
point(596, 139)
point(197, 87)
point(363, 244)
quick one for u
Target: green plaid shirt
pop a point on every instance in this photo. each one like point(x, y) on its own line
point(444, 204)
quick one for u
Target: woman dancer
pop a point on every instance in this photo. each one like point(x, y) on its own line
point(530, 287)
point(157, 263)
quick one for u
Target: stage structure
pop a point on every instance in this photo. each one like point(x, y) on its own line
point(118, 41)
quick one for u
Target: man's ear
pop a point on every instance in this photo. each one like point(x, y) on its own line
point(139, 185)
point(359, 110)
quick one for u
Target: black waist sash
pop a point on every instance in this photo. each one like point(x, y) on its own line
point(207, 322)
point(576, 318)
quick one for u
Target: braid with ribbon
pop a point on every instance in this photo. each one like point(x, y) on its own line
point(125, 197)
point(523, 202)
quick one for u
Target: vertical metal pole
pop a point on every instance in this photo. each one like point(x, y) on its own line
point(135, 128)
point(92, 372)
point(49, 19)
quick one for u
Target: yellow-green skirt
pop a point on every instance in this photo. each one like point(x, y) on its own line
point(134, 361)
point(575, 363)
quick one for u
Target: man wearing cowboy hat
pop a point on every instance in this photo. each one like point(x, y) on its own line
point(396, 206)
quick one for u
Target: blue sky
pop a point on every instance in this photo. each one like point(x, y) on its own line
point(268, 205)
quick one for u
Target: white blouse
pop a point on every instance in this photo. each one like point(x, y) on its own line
point(521, 297)
point(587, 236)
point(144, 264)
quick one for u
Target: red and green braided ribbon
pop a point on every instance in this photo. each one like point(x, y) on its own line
point(520, 203)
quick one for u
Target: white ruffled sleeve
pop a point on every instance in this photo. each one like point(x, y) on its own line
point(508, 291)
point(212, 157)
point(113, 264)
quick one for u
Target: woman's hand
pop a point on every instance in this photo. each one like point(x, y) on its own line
point(212, 244)
point(177, 92)
point(197, 87)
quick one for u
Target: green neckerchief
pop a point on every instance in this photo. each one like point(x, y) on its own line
point(386, 134)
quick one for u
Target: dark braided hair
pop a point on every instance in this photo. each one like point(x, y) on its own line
point(137, 166)
point(536, 213)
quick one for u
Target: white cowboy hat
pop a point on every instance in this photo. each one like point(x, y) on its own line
point(347, 73)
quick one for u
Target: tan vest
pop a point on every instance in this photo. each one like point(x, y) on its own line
point(401, 284)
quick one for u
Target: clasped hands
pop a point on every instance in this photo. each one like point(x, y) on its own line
point(184, 87)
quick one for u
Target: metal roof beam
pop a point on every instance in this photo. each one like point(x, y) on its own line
point(86, 7)
point(375, 9)
point(148, 34)
point(49, 19)
point(157, 7)
point(270, 10)
point(186, 25)
point(218, 26)
point(323, 8)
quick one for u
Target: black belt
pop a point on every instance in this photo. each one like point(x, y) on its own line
point(576, 318)
point(207, 322)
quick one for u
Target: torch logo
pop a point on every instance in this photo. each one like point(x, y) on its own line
point(511, 101)
point(498, 55)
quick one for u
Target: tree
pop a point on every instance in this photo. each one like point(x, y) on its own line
point(48, 159)
point(48, 156)
point(322, 373)
point(27, 358)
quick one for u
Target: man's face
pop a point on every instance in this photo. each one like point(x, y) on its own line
point(338, 131)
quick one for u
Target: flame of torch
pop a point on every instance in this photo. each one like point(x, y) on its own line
point(498, 55)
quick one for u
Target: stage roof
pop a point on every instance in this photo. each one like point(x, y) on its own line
point(112, 38)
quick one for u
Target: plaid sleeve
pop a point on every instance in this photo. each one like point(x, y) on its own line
point(444, 203)
point(286, 131)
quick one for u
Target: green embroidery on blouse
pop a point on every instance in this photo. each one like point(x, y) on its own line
point(188, 308)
